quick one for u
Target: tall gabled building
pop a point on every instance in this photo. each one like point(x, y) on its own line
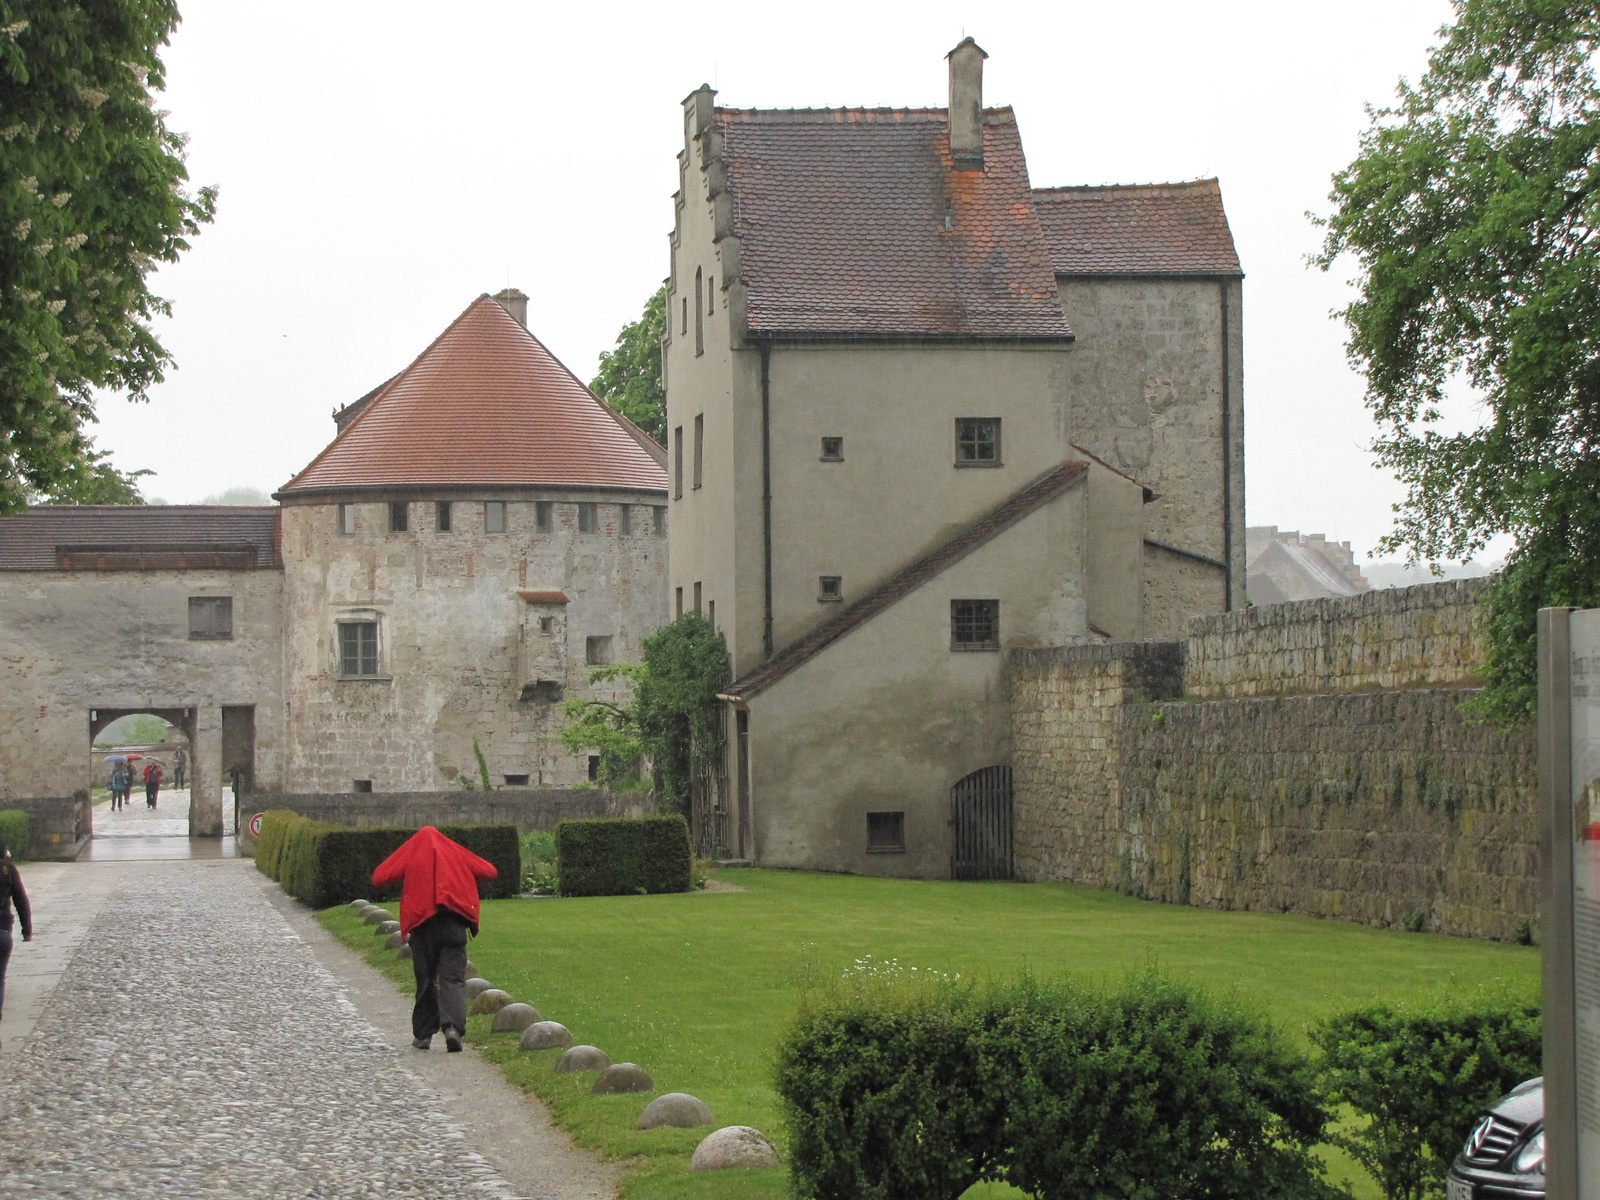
point(919, 414)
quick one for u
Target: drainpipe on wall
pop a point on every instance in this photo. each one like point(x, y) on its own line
point(766, 498)
point(1227, 451)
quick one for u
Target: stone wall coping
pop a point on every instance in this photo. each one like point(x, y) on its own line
point(1448, 593)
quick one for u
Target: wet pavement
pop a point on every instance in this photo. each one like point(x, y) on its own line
point(138, 833)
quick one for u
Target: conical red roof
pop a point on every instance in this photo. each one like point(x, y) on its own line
point(487, 404)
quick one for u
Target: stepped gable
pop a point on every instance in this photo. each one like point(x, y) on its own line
point(1138, 229)
point(486, 405)
point(853, 224)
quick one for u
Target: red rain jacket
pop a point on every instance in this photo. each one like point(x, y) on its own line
point(437, 873)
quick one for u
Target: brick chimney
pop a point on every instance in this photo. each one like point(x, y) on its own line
point(515, 303)
point(966, 106)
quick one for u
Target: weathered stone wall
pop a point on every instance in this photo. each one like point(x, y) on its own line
point(527, 809)
point(58, 826)
point(1344, 796)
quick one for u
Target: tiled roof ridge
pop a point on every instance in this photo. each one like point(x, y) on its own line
point(383, 390)
point(39, 510)
point(1002, 115)
point(996, 521)
point(646, 443)
point(1208, 185)
point(1098, 461)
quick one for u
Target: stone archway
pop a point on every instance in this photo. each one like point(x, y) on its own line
point(203, 822)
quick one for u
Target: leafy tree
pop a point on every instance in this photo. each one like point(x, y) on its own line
point(674, 718)
point(91, 200)
point(630, 376)
point(1473, 214)
point(93, 480)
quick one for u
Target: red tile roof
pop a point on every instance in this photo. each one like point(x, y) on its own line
point(1000, 518)
point(1138, 229)
point(852, 224)
point(29, 540)
point(486, 405)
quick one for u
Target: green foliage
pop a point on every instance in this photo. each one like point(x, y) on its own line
point(483, 766)
point(1421, 1077)
point(675, 705)
point(140, 729)
point(539, 863)
point(896, 1090)
point(15, 830)
point(93, 480)
point(612, 730)
point(93, 202)
point(1471, 213)
point(322, 864)
point(619, 856)
point(630, 375)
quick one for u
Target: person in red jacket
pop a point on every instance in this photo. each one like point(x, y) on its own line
point(438, 909)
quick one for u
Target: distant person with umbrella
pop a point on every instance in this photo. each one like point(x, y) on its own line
point(12, 895)
point(152, 781)
point(438, 911)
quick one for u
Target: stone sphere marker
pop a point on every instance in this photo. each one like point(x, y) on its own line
point(475, 987)
point(488, 1002)
point(677, 1109)
point(514, 1018)
point(394, 941)
point(385, 928)
point(582, 1058)
point(622, 1077)
point(731, 1147)
point(405, 951)
point(374, 915)
point(358, 903)
point(545, 1035)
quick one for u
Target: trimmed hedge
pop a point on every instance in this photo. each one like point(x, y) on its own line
point(14, 828)
point(1422, 1079)
point(1152, 1090)
point(323, 864)
point(620, 856)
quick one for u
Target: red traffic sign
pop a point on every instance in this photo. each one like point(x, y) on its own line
point(255, 824)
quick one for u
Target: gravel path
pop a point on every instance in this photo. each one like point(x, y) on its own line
point(196, 1046)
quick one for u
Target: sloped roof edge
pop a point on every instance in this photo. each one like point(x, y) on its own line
point(996, 521)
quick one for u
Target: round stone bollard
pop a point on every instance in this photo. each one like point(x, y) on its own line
point(545, 1035)
point(514, 1018)
point(385, 928)
point(374, 915)
point(678, 1109)
point(623, 1077)
point(393, 941)
point(733, 1146)
point(582, 1058)
point(358, 903)
point(405, 951)
point(472, 968)
point(488, 1002)
point(475, 986)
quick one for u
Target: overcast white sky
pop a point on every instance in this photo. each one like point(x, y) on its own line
point(381, 164)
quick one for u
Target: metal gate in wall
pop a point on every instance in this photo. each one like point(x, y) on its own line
point(981, 825)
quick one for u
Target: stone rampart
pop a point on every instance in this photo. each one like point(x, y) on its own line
point(1309, 758)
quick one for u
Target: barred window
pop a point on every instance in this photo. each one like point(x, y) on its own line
point(886, 833)
point(210, 618)
point(977, 441)
point(830, 587)
point(833, 449)
point(974, 624)
point(358, 649)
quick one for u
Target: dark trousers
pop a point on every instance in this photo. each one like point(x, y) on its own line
point(5, 957)
point(439, 958)
point(177, 776)
point(151, 791)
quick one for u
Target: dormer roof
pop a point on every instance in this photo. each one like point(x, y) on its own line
point(486, 405)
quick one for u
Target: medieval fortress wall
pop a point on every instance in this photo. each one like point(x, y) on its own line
point(1307, 758)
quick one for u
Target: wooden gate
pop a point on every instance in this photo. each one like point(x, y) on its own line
point(981, 825)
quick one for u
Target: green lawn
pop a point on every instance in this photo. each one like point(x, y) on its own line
point(696, 988)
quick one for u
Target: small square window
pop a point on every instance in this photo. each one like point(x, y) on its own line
point(594, 768)
point(830, 589)
point(516, 780)
point(660, 529)
point(886, 833)
point(362, 785)
point(677, 602)
point(545, 691)
point(210, 618)
point(543, 516)
point(624, 520)
point(597, 650)
point(347, 518)
point(588, 517)
point(358, 649)
point(977, 441)
point(547, 625)
point(974, 624)
point(697, 597)
point(833, 449)
point(494, 516)
point(399, 517)
point(441, 516)
point(711, 613)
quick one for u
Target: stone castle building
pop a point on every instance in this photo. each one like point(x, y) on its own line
point(923, 413)
point(1284, 566)
point(481, 532)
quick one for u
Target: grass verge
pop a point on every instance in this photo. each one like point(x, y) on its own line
point(695, 988)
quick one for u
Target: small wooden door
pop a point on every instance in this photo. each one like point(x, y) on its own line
point(981, 825)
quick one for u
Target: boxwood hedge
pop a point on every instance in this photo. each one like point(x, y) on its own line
point(15, 829)
point(619, 856)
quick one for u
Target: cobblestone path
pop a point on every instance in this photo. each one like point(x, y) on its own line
point(195, 1046)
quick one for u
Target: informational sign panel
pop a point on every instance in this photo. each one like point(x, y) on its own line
point(1569, 788)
